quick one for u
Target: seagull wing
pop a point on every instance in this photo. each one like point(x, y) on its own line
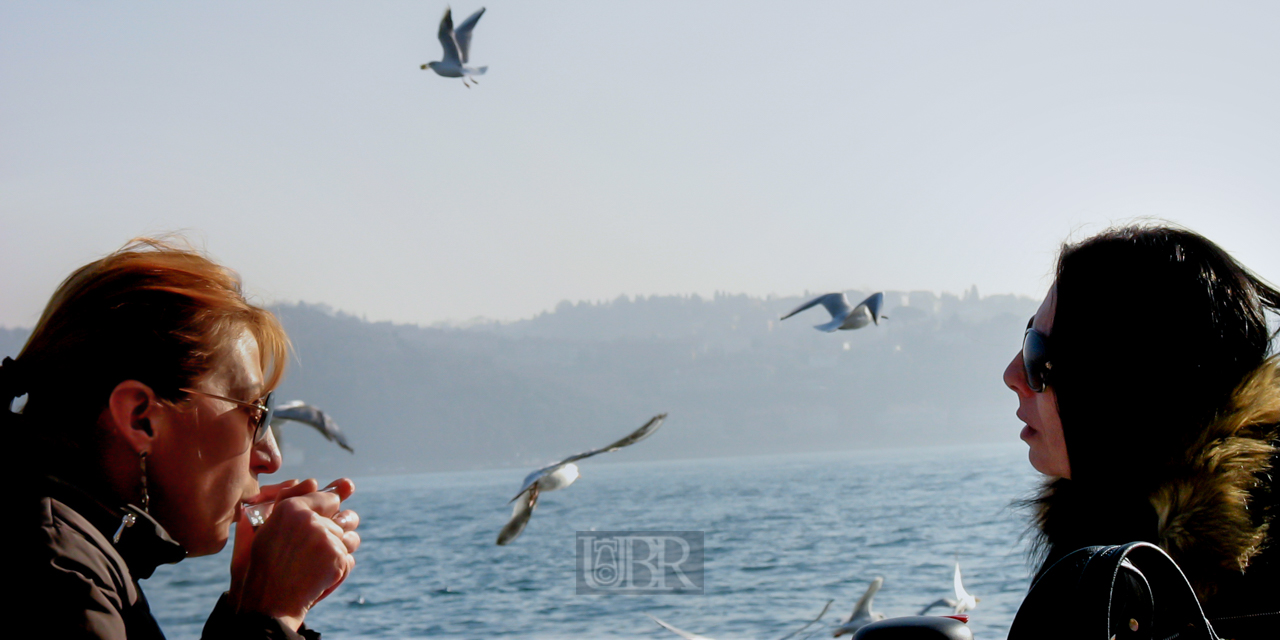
point(809, 623)
point(635, 436)
point(680, 632)
point(943, 602)
point(872, 304)
point(862, 614)
point(961, 594)
point(462, 35)
point(964, 600)
point(863, 607)
point(447, 40)
point(835, 303)
point(298, 411)
point(520, 515)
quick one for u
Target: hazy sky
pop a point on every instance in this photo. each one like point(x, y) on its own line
point(647, 148)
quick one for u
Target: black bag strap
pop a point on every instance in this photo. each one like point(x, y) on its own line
point(1124, 591)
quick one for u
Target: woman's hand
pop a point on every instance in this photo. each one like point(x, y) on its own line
point(299, 555)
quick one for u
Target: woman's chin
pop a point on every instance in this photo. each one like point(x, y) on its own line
point(210, 542)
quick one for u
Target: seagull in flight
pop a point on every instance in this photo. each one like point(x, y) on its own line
point(457, 49)
point(688, 635)
point(964, 601)
point(844, 316)
point(299, 411)
point(559, 476)
point(862, 614)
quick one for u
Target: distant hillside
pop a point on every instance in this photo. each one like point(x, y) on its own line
point(734, 379)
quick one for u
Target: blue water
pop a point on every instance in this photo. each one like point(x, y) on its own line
point(783, 535)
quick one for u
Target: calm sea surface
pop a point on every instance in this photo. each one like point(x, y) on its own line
point(783, 535)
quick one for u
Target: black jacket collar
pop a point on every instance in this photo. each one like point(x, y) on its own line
point(142, 542)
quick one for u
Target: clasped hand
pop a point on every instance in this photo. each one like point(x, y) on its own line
point(299, 555)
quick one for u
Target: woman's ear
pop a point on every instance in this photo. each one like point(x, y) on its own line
point(131, 409)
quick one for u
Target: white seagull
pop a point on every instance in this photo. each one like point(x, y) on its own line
point(457, 49)
point(964, 601)
point(299, 411)
point(689, 635)
point(862, 613)
point(843, 316)
point(559, 476)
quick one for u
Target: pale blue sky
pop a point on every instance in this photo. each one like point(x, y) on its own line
point(647, 148)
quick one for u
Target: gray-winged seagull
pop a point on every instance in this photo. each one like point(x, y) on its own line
point(964, 601)
point(844, 316)
point(299, 411)
point(457, 49)
point(862, 613)
point(688, 635)
point(559, 476)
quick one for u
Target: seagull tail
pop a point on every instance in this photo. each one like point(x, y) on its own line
point(480, 70)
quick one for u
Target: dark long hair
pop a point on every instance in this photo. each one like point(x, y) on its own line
point(1154, 328)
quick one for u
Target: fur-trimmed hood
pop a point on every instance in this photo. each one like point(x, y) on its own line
point(1212, 512)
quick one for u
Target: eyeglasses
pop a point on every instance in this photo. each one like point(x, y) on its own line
point(1035, 358)
point(260, 412)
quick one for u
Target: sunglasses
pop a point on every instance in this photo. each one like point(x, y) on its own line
point(260, 412)
point(1035, 358)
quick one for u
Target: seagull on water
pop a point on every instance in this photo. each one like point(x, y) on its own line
point(862, 614)
point(964, 601)
point(299, 411)
point(688, 635)
point(844, 316)
point(457, 49)
point(559, 476)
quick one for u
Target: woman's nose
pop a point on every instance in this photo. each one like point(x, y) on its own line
point(266, 454)
point(1015, 378)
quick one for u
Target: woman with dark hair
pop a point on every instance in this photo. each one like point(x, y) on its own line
point(148, 385)
point(1151, 404)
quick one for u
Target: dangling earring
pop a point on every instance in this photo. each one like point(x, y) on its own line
point(146, 499)
point(129, 518)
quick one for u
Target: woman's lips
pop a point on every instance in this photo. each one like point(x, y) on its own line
point(1027, 430)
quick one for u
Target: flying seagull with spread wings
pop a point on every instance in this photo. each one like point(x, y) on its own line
point(559, 476)
point(844, 316)
point(688, 635)
point(862, 613)
point(964, 601)
point(299, 411)
point(457, 49)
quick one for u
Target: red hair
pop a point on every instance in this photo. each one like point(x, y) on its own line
point(154, 311)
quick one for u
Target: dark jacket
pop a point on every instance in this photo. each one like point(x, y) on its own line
point(77, 579)
point(1213, 511)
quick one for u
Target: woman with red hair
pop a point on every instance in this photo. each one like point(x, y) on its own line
point(148, 381)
